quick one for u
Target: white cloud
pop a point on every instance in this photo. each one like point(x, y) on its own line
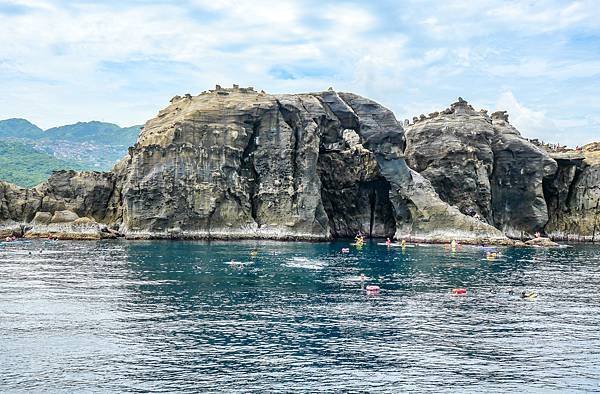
point(79, 60)
point(531, 123)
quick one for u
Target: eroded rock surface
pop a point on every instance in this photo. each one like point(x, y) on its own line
point(574, 196)
point(483, 166)
point(236, 163)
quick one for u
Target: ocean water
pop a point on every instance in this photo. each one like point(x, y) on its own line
point(158, 316)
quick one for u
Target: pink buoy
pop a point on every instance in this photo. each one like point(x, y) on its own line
point(372, 289)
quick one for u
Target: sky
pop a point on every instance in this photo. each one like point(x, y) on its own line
point(121, 61)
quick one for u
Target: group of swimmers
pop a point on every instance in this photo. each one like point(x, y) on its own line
point(454, 245)
point(526, 295)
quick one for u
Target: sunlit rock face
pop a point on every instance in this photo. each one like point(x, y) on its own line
point(239, 163)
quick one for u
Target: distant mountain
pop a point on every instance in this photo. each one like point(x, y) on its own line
point(95, 132)
point(19, 128)
point(23, 165)
point(81, 146)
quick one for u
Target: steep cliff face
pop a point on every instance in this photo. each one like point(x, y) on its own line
point(235, 163)
point(419, 211)
point(573, 196)
point(482, 165)
point(520, 168)
point(453, 150)
point(230, 163)
point(354, 194)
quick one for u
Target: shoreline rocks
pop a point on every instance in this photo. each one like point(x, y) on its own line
point(239, 164)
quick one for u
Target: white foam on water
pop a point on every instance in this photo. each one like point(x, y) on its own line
point(306, 263)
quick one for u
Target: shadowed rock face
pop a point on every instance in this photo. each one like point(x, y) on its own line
point(573, 196)
point(520, 168)
point(454, 152)
point(419, 212)
point(482, 165)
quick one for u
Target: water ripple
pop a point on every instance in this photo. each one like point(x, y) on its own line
point(186, 317)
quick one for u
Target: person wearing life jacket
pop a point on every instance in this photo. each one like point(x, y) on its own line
point(528, 295)
point(359, 238)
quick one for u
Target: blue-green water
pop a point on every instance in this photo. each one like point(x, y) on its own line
point(175, 316)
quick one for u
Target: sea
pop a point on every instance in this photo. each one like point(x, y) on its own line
point(259, 317)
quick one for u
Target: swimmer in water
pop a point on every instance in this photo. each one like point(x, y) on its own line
point(528, 294)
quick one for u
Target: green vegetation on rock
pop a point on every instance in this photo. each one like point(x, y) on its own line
point(28, 154)
point(23, 165)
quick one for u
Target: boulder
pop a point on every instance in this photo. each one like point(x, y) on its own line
point(10, 228)
point(77, 229)
point(42, 217)
point(541, 241)
point(64, 217)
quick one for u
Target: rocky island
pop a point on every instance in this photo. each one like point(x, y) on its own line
point(236, 163)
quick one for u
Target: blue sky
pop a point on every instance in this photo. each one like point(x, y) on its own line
point(121, 61)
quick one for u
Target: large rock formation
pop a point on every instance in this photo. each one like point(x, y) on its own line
point(482, 165)
point(70, 205)
point(574, 196)
point(520, 168)
point(235, 163)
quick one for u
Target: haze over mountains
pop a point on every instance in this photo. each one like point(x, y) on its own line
point(28, 154)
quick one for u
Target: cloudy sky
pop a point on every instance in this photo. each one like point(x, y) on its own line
point(121, 61)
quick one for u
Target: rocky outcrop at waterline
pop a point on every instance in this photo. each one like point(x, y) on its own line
point(482, 165)
point(236, 163)
point(573, 195)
